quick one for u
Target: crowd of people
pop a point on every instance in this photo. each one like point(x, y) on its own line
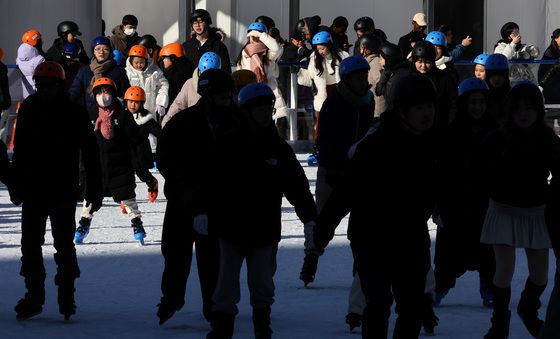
point(399, 139)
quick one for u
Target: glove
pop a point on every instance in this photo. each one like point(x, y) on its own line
point(200, 224)
point(308, 232)
point(118, 57)
point(160, 110)
point(255, 34)
point(95, 202)
point(152, 189)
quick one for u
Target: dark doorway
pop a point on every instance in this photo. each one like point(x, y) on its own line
point(466, 18)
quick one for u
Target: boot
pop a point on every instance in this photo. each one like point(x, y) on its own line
point(261, 323)
point(82, 231)
point(309, 268)
point(501, 314)
point(138, 230)
point(66, 303)
point(528, 307)
point(166, 310)
point(222, 326)
point(32, 303)
point(353, 320)
point(429, 318)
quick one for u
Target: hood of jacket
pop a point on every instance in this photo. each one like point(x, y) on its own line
point(27, 52)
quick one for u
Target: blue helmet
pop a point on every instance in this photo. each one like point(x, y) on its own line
point(472, 84)
point(257, 26)
point(352, 64)
point(118, 57)
point(481, 59)
point(497, 62)
point(71, 50)
point(100, 40)
point(322, 38)
point(254, 91)
point(209, 60)
point(437, 38)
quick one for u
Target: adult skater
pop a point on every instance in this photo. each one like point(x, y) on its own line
point(68, 33)
point(51, 130)
point(388, 191)
point(262, 168)
point(185, 145)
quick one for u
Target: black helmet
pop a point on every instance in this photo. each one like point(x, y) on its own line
point(299, 30)
point(202, 14)
point(424, 49)
point(391, 52)
point(507, 29)
point(66, 27)
point(267, 21)
point(365, 23)
point(412, 89)
point(371, 42)
point(214, 81)
point(148, 41)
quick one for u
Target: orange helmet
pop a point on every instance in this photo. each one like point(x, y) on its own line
point(31, 37)
point(49, 69)
point(174, 48)
point(1, 54)
point(135, 93)
point(243, 77)
point(138, 51)
point(104, 82)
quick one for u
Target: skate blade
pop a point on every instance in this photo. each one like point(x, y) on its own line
point(29, 316)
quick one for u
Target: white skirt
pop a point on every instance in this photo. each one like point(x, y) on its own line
point(515, 226)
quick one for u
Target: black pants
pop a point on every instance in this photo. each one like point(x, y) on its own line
point(34, 215)
point(177, 242)
point(387, 272)
point(458, 249)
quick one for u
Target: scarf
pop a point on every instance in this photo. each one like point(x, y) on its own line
point(98, 69)
point(255, 50)
point(104, 123)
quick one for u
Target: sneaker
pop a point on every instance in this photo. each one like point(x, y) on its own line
point(82, 231)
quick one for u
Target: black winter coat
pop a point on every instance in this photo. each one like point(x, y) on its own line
point(404, 43)
point(181, 71)
point(446, 97)
point(193, 49)
point(143, 158)
point(80, 87)
point(50, 137)
point(56, 52)
point(245, 200)
point(5, 98)
point(341, 125)
point(549, 76)
point(122, 156)
point(388, 191)
point(186, 144)
point(5, 171)
point(386, 85)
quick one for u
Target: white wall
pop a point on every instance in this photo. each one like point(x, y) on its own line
point(159, 18)
point(393, 17)
point(18, 16)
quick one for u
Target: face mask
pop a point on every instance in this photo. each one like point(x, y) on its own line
point(104, 100)
point(129, 31)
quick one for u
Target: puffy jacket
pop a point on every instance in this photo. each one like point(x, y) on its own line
point(80, 87)
point(187, 97)
point(153, 82)
point(310, 77)
point(509, 50)
point(28, 58)
point(271, 70)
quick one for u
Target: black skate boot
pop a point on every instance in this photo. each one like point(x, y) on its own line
point(309, 268)
point(82, 231)
point(66, 303)
point(166, 310)
point(501, 314)
point(353, 320)
point(32, 303)
point(222, 326)
point(429, 318)
point(261, 323)
point(138, 229)
point(528, 307)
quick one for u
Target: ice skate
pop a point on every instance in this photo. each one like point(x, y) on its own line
point(353, 320)
point(309, 268)
point(28, 307)
point(138, 229)
point(82, 231)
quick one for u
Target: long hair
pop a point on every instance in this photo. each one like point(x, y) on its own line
point(553, 43)
point(336, 58)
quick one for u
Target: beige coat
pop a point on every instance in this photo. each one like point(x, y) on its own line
point(373, 78)
point(187, 97)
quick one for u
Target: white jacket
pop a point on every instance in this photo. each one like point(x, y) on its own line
point(152, 82)
point(28, 58)
point(507, 49)
point(272, 71)
point(308, 77)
